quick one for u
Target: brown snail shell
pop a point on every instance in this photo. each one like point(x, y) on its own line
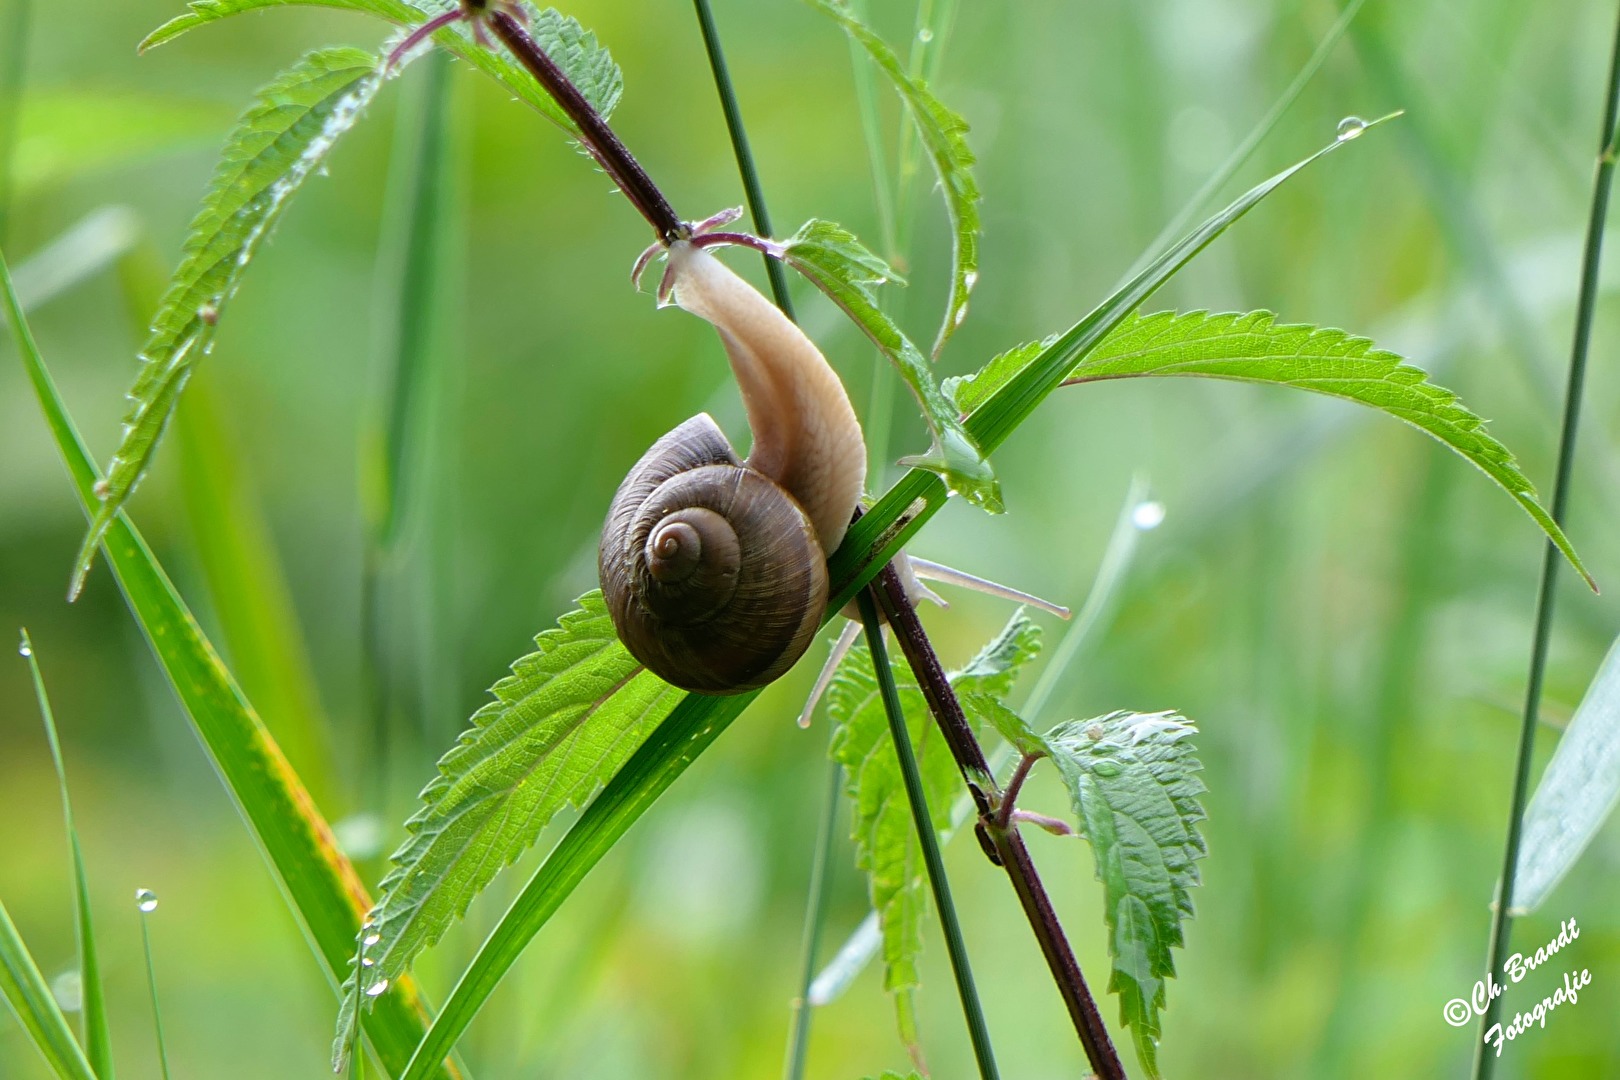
point(712, 573)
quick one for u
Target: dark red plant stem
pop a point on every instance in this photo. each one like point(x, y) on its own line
point(599, 139)
point(1002, 843)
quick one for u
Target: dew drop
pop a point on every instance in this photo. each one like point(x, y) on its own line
point(1351, 127)
point(24, 650)
point(372, 939)
point(102, 488)
point(925, 35)
point(377, 988)
point(68, 990)
point(970, 279)
point(366, 961)
point(145, 900)
point(1148, 515)
point(1105, 769)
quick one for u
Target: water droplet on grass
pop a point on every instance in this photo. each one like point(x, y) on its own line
point(145, 901)
point(377, 988)
point(1148, 515)
point(1351, 127)
point(925, 35)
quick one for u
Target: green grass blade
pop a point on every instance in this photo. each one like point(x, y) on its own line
point(321, 885)
point(29, 997)
point(872, 541)
point(98, 1045)
point(146, 902)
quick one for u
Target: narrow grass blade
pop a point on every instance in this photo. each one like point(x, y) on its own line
point(696, 721)
point(1576, 794)
point(146, 902)
point(97, 1043)
point(321, 885)
point(30, 998)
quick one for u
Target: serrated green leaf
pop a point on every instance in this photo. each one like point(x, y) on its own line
point(201, 12)
point(561, 724)
point(886, 846)
point(1254, 347)
point(831, 257)
point(319, 882)
point(1133, 780)
point(944, 136)
point(97, 1043)
point(281, 139)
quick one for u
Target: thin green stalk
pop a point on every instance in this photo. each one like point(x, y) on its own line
point(978, 1031)
point(1501, 922)
point(744, 154)
point(815, 917)
point(97, 1043)
point(151, 980)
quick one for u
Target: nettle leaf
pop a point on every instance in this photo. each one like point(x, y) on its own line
point(277, 144)
point(588, 65)
point(1133, 780)
point(565, 720)
point(840, 266)
point(943, 135)
point(1254, 347)
point(886, 844)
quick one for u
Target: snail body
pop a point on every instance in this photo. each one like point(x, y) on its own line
point(715, 568)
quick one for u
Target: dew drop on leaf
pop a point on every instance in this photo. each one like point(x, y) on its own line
point(925, 35)
point(1105, 769)
point(1148, 515)
point(145, 901)
point(372, 939)
point(376, 989)
point(24, 650)
point(1351, 127)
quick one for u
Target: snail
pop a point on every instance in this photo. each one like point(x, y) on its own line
point(714, 568)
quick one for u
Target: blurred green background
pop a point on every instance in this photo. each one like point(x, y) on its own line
point(1343, 607)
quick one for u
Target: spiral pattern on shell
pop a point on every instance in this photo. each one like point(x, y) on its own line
point(713, 574)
